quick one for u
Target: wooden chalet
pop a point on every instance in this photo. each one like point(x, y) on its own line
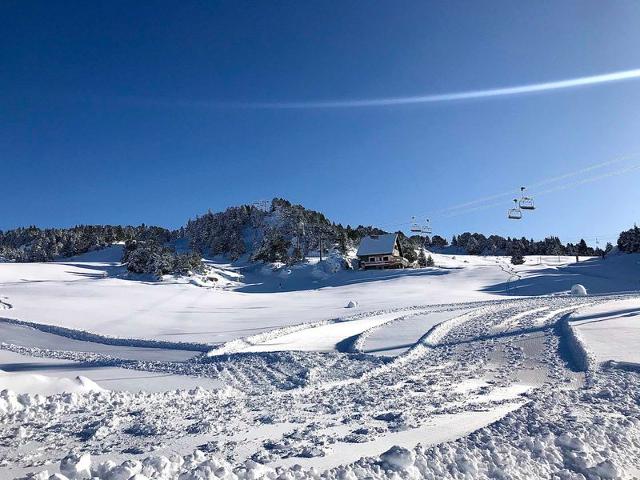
point(381, 251)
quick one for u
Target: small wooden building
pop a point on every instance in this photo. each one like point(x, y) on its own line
point(381, 251)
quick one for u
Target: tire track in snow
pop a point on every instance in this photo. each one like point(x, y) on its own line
point(244, 344)
point(435, 336)
point(356, 343)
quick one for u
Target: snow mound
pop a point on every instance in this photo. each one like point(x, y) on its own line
point(352, 304)
point(43, 385)
point(76, 466)
point(578, 290)
point(398, 458)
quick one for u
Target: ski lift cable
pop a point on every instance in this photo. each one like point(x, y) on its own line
point(551, 190)
point(540, 183)
point(461, 209)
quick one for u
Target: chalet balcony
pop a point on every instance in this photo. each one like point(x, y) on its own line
point(392, 262)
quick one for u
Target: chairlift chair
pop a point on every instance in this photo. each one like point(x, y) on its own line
point(526, 203)
point(515, 213)
point(415, 228)
point(427, 228)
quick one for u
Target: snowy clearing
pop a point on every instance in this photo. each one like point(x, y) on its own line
point(430, 362)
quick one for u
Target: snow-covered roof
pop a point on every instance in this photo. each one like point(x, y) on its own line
point(377, 244)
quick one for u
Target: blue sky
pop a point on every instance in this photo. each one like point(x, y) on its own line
point(130, 112)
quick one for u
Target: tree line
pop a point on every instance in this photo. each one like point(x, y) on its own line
point(282, 232)
point(146, 248)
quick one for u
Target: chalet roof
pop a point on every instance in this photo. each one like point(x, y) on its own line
point(377, 244)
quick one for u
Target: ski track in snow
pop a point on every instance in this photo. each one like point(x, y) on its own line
point(281, 408)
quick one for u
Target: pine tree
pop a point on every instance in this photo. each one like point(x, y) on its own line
point(430, 262)
point(473, 247)
point(582, 248)
point(422, 259)
point(517, 258)
point(438, 241)
point(607, 250)
point(629, 240)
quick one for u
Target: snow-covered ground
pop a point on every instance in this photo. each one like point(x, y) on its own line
point(611, 331)
point(472, 369)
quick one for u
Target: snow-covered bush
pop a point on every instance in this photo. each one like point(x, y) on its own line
point(150, 257)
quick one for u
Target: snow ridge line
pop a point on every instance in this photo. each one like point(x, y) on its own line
point(235, 346)
point(86, 336)
point(355, 343)
point(577, 347)
point(99, 359)
point(580, 354)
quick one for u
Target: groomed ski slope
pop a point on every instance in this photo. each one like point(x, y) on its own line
point(309, 388)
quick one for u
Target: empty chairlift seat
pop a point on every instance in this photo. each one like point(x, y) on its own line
point(515, 213)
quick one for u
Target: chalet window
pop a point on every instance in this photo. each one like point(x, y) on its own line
point(386, 259)
point(372, 259)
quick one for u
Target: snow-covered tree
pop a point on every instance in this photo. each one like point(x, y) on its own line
point(430, 262)
point(629, 240)
point(422, 259)
point(517, 258)
point(439, 242)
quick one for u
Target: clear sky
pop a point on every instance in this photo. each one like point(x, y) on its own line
point(130, 112)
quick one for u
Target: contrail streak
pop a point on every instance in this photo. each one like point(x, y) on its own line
point(448, 97)
point(385, 102)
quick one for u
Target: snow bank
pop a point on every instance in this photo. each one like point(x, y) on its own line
point(45, 385)
point(580, 356)
point(32, 392)
point(610, 331)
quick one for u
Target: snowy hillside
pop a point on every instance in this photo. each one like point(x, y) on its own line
point(276, 371)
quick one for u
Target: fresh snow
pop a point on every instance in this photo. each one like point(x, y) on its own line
point(99, 373)
point(611, 331)
point(473, 369)
point(45, 385)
